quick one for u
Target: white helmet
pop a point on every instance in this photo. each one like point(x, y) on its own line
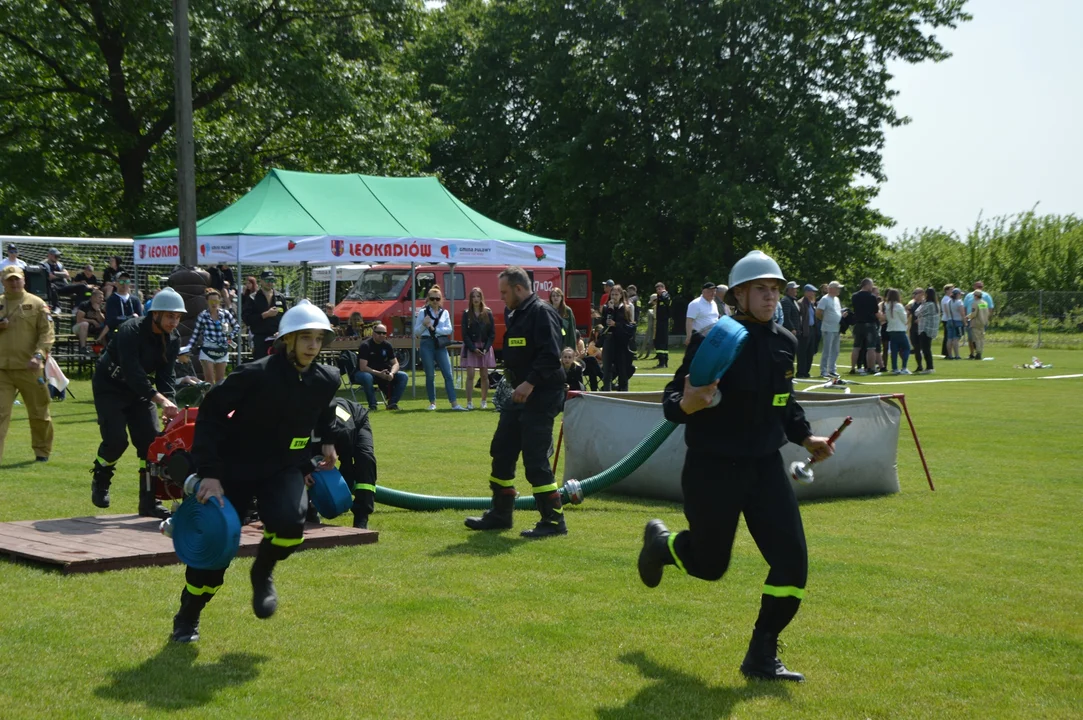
point(754, 266)
point(168, 300)
point(304, 316)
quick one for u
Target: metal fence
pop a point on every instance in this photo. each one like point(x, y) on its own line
point(1037, 318)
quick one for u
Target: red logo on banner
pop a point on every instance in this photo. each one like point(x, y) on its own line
point(291, 245)
point(539, 253)
point(338, 247)
point(203, 250)
point(142, 251)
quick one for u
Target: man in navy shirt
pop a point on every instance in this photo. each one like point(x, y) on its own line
point(377, 365)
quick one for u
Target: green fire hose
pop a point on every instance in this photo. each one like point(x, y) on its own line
point(572, 492)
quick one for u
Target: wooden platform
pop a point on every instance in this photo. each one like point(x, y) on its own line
point(115, 542)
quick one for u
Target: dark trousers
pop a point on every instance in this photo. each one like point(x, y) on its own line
point(944, 339)
point(120, 414)
point(526, 428)
point(260, 347)
point(717, 490)
point(915, 343)
point(925, 345)
point(806, 350)
point(357, 463)
point(282, 503)
point(616, 362)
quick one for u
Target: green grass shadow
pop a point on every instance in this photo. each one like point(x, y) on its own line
point(677, 691)
point(484, 544)
point(171, 680)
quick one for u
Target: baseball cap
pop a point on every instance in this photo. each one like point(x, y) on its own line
point(609, 283)
point(267, 275)
point(835, 284)
point(809, 287)
point(12, 248)
point(956, 291)
point(708, 286)
point(790, 285)
point(123, 276)
point(54, 251)
point(12, 270)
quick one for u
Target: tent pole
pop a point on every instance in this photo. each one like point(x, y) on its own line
point(333, 290)
point(413, 338)
point(304, 278)
point(242, 331)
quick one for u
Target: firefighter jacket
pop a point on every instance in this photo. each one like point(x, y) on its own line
point(347, 416)
point(758, 412)
point(135, 353)
point(263, 416)
point(532, 345)
point(253, 313)
point(29, 331)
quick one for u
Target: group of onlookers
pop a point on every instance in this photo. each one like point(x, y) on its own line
point(883, 326)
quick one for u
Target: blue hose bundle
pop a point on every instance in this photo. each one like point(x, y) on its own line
point(206, 536)
point(330, 493)
point(717, 351)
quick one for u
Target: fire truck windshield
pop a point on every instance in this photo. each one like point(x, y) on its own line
point(377, 284)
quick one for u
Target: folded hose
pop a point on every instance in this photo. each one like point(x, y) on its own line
point(572, 492)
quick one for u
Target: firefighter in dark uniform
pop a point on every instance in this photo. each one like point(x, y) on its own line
point(532, 346)
point(733, 465)
point(125, 398)
point(263, 313)
point(251, 442)
point(661, 325)
point(351, 434)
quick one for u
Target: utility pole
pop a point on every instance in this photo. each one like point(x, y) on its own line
point(186, 160)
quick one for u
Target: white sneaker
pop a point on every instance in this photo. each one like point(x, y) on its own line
point(894, 372)
point(904, 371)
point(862, 371)
point(456, 406)
point(484, 404)
point(470, 406)
point(432, 406)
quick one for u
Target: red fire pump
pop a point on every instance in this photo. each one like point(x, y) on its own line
point(169, 458)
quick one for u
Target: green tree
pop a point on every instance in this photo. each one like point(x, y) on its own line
point(87, 112)
point(666, 138)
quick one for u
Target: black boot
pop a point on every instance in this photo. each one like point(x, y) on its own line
point(186, 621)
point(312, 516)
point(761, 661)
point(264, 597)
point(500, 516)
point(361, 521)
point(655, 554)
point(149, 506)
point(99, 486)
point(552, 517)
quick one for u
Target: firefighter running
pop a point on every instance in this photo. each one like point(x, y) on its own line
point(351, 434)
point(733, 466)
point(251, 442)
point(125, 398)
point(532, 345)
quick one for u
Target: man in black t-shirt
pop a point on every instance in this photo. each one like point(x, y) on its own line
point(864, 308)
point(377, 365)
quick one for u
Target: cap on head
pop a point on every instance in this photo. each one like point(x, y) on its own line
point(267, 275)
point(609, 283)
point(708, 286)
point(956, 291)
point(12, 248)
point(54, 251)
point(791, 285)
point(123, 276)
point(835, 284)
point(809, 287)
point(12, 270)
point(756, 265)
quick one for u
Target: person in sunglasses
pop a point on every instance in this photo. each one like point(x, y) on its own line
point(432, 326)
point(377, 366)
point(263, 313)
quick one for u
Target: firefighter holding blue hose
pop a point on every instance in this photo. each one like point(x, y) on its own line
point(351, 434)
point(733, 465)
point(252, 442)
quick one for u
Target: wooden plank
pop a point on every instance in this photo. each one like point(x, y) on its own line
point(114, 542)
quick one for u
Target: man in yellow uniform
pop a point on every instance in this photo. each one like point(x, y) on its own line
point(26, 335)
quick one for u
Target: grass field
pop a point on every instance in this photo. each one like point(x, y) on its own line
point(960, 603)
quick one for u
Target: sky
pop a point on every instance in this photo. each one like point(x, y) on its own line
point(995, 128)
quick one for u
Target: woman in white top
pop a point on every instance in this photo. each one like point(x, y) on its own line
point(432, 326)
point(896, 317)
point(958, 320)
